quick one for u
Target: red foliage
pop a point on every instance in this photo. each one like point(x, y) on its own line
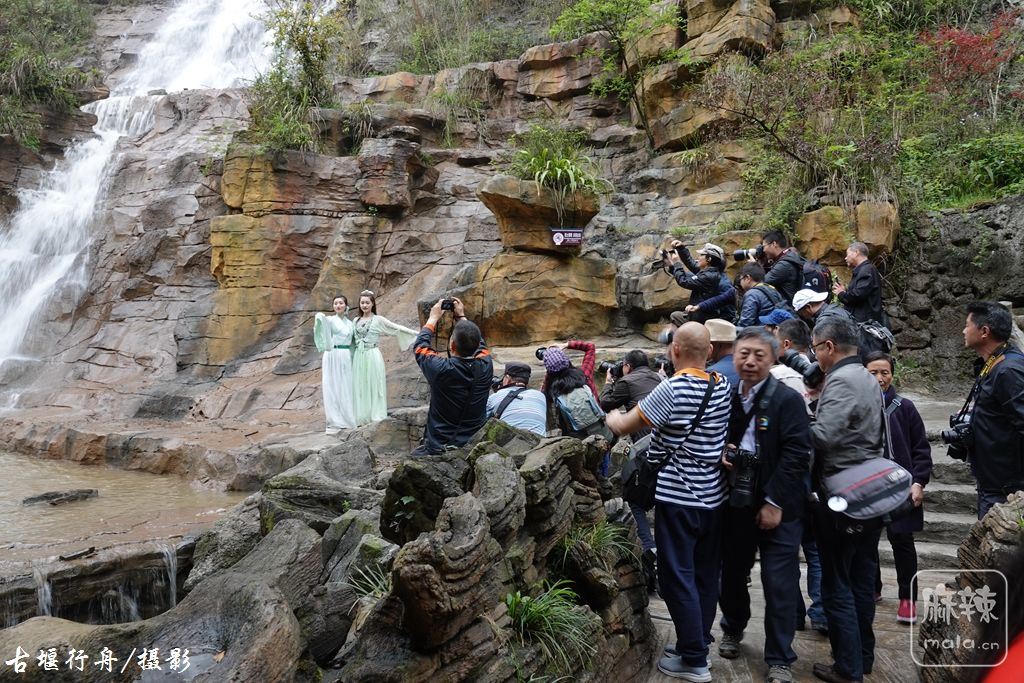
point(964, 58)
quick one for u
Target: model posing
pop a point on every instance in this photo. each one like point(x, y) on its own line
point(333, 336)
point(370, 386)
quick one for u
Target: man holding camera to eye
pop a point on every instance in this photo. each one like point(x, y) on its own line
point(783, 264)
point(988, 431)
point(459, 383)
point(847, 431)
point(767, 456)
point(514, 403)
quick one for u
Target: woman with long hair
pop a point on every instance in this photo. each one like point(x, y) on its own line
point(333, 337)
point(561, 377)
point(369, 383)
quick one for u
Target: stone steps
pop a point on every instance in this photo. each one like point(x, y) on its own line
point(929, 555)
point(950, 498)
point(945, 527)
point(949, 471)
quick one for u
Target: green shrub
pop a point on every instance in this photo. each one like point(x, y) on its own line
point(372, 582)
point(609, 541)
point(38, 41)
point(554, 621)
point(554, 159)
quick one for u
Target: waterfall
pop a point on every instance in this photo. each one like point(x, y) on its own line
point(43, 246)
point(171, 568)
point(44, 591)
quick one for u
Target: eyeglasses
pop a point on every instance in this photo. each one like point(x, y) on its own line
point(814, 346)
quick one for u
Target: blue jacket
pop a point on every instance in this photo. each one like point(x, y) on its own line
point(757, 301)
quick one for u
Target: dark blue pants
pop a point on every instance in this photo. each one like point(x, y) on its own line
point(816, 612)
point(986, 499)
point(849, 563)
point(689, 540)
point(780, 577)
point(643, 527)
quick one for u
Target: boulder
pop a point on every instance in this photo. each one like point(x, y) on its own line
point(238, 625)
point(748, 26)
point(527, 212)
point(549, 496)
point(342, 538)
point(677, 122)
point(703, 15)
point(416, 493)
point(295, 182)
point(558, 71)
point(229, 540)
point(501, 435)
point(824, 234)
point(877, 224)
point(510, 293)
point(61, 497)
point(662, 35)
point(386, 170)
point(445, 577)
point(502, 493)
point(401, 87)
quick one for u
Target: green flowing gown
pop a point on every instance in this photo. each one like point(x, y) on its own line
point(370, 391)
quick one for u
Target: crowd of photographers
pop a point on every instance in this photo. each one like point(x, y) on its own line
point(748, 427)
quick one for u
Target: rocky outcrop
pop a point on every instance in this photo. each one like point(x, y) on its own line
point(527, 213)
point(952, 612)
point(559, 71)
point(746, 26)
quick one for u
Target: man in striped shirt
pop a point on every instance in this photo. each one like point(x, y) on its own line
point(690, 493)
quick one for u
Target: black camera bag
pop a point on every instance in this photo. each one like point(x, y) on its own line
point(640, 475)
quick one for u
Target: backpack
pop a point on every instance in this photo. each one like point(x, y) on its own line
point(778, 301)
point(582, 414)
point(818, 277)
point(874, 337)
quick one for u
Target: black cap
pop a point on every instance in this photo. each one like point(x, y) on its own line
point(520, 371)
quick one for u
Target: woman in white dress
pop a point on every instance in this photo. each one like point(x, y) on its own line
point(333, 336)
point(370, 392)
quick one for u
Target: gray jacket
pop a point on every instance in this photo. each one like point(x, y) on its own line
point(847, 428)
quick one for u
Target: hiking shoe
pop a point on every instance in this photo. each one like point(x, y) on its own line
point(828, 674)
point(907, 613)
point(674, 667)
point(820, 626)
point(779, 673)
point(670, 651)
point(729, 648)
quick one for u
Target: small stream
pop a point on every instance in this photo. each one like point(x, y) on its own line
point(130, 506)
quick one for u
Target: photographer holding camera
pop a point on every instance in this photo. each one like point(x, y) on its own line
point(705, 280)
point(767, 457)
point(459, 383)
point(988, 431)
point(759, 298)
point(514, 403)
point(783, 264)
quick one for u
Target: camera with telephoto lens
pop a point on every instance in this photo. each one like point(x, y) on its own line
point(539, 353)
point(811, 371)
point(755, 254)
point(959, 437)
point(448, 305)
point(496, 383)
point(743, 476)
point(615, 367)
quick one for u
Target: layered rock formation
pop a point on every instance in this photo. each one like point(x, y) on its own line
point(294, 599)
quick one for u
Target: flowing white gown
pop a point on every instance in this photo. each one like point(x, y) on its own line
point(333, 335)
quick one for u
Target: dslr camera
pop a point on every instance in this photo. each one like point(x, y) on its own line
point(959, 437)
point(743, 477)
point(813, 376)
point(539, 353)
point(448, 304)
point(755, 254)
point(496, 383)
point(614, 367)
point(664, 364)
point(659, 263)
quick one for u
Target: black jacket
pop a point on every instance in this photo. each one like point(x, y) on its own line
point(787, 274)
point(459, 388)
point(997, 423)
point(863, 296)
point(829, 311)
point(703, 284)
point(783, 433)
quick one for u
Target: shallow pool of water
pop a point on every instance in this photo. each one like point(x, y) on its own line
point(131, 506)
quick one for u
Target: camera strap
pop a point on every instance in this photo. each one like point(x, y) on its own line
point(511, 396)
point(761, 404)
point(712, 380)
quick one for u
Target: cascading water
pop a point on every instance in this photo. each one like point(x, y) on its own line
point(170, 554)
point(202, 44)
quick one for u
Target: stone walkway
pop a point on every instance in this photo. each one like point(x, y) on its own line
point(893, 662)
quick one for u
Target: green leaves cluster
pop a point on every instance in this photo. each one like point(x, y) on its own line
point(555, 159)
point(39, 39)
point(563, 630)
point(626, 23)
point(308, 37)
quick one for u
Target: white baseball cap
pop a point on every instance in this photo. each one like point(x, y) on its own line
point(807, 296)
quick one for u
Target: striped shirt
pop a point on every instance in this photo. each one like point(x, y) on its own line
point(693, 475)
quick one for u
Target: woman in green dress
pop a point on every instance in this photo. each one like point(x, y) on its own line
point(369, 384)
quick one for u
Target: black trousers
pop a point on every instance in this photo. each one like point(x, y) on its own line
point(780, 577)
point(904, 555)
